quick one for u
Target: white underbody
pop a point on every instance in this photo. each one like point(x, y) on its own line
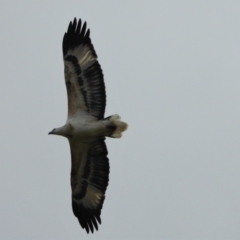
point(90, 129)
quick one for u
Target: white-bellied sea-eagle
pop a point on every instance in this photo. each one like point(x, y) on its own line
point(86, 127)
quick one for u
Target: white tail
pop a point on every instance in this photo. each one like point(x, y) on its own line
point(120, 126)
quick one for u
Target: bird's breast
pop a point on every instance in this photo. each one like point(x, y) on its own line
point(89, 130)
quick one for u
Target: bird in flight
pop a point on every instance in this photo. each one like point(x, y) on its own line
point(86, 127)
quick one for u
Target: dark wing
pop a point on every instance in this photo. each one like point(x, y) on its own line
point(89, 181)
point(83, 74)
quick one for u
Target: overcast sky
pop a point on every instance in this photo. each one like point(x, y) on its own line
point(172, 72)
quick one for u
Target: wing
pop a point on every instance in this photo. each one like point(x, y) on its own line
point(89, 181)
point(83, 74)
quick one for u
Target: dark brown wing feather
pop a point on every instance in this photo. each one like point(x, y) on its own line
point(83, 74)
point(89, 181)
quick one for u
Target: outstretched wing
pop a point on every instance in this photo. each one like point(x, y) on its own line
point(83, 74)
point(89, 181)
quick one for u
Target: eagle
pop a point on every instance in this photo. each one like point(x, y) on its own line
point(86, 127)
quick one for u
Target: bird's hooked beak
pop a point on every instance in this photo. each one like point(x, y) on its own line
point(52, 132)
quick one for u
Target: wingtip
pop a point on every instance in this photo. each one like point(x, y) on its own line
point(76, 33)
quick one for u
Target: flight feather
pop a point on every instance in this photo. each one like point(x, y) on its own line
point(83, 73)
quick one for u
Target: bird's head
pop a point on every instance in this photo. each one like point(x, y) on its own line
point(65, 131)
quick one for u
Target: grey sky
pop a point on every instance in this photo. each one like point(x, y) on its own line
point(172, 73)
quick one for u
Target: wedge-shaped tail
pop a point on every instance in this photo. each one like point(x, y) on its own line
point(115, 126)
